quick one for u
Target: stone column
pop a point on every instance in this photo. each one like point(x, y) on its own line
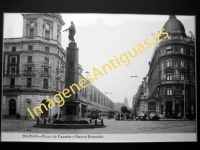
point(39, 27)
point(71, 106)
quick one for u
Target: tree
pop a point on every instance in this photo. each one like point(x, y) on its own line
point(124, 109)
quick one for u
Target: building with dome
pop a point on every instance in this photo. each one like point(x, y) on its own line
point(34, 66)
point(171, 75)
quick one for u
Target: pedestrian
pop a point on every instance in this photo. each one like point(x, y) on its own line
point(17, 116)
point(26, 117)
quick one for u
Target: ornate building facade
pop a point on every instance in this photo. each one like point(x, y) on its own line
point(172, 72)
point(34, 66)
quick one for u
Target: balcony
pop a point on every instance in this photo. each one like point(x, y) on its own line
point(29, 73)
point(173, 40)
point(45, 74)
point(169, 69)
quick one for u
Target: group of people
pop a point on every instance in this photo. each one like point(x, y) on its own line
point(18, 116)
point(179, 115)
point(124, 116)
point(55, 116)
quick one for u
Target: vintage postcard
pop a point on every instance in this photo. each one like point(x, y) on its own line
point(97, 77)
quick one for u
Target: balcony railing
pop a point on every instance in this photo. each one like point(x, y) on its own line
point(45, 74)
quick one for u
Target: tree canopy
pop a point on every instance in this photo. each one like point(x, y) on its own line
point(124, 109)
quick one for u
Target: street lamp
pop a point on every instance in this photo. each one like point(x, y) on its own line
point(88, 94)
point(184, 82)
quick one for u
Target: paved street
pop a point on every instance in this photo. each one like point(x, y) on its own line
point(113, 127)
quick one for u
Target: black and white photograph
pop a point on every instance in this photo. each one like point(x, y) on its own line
point(98, 77)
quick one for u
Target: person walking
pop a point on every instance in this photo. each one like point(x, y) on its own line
point(17, 116)
point(26, 117)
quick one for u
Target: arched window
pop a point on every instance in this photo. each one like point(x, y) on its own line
point(28, 104)
point(32, 25)
point(47, 30)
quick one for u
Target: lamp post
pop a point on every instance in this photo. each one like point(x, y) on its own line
point(88, 94)
point(184, 117)
point(135, 105)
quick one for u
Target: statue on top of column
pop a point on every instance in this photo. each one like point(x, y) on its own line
point(72, 32)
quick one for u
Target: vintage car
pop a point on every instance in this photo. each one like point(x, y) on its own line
point(142, 116)
point(153, 116)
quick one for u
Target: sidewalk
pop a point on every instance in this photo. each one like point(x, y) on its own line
point(164, 119)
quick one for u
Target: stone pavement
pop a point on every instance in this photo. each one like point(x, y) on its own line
point(112, 127)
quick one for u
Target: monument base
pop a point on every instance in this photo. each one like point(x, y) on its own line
point(77, 118)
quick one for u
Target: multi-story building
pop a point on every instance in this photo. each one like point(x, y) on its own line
point(34, 67)
point(140, 98)
point(126, 103)
point(171, 83)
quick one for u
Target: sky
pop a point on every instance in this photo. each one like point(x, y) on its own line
point(101, 37)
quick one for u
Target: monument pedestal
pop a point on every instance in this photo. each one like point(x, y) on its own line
point(71, 109)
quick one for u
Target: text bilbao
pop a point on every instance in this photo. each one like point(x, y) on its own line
point(113, 64)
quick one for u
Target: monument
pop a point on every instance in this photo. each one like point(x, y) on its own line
point(71, 109)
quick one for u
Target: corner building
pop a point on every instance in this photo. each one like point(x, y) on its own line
point(172, 72)
point(34, 67)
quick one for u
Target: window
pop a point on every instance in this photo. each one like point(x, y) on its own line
point(29, 83)
point(58, 63)
point(169, 37)
point(28, 104)
point(58, 53)
point(182, 50)
point(169, 51)
point(46, 60)
point(176, 73)
point(47, 26)
point(13, 49)
point(31, 32)
point(46, 71)
point(169, 91)
point(47, 30)
point(191, 52)
point(32, 24)
point(169, 63)
point(182, 92)
point(47, 49)
point(152, 105)
point(13, 59)
point(29, 69)
point(12, 70)
point(182, 63)
point(169, 76)
point(12, 82)
point(47, 34)
point(45, 83)
point(29, 59)
point(182, 76)
point(30, 47)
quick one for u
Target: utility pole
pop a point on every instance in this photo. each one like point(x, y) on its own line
point(184, 117)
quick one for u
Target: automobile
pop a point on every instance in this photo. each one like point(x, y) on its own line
point(142, 116)
point(153, 116)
